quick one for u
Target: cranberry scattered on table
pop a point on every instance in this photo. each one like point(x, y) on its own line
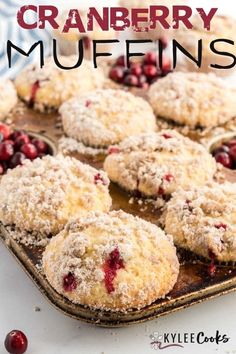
point(16, 146)
point(226, 154)
point(16, 342)
point(140, 74)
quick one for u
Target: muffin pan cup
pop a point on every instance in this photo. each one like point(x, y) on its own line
point(194, 283)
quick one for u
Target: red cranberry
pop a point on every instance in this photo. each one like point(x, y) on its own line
point(30, 151)
point(161, 191)
point(221, 226)
point(8, 141)
point(232, 152)
point(17, 159)
point(21, 140)
point(16, 134)
point(111, 266)
point(224, 159)
point(5, 130)
point(69, 282)
point(164, 42)
point(223, 148)
point(169, 178)
point(117, 74)
point(113, 150)
point(98, 178)
point(131, 80)
point(150, 71)
point(16, 342)
point(136, 69)
point(40, 145)
point(121, 61)
point(6, 151)
point(150, 58)
point(166, 136)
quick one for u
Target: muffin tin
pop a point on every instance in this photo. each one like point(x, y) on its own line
point(194, 284)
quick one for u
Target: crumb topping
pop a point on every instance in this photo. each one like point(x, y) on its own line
point(105, 254)
point(43, 194)
point(203, 220)
point(105, 117)
point(179, 97)
point(156, 164)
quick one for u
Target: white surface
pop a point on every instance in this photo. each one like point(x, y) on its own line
point(50, 332)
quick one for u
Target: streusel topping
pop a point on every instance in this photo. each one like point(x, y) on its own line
point(193, 99)
point(44, 194)
point(105, 117)
point(98, 260)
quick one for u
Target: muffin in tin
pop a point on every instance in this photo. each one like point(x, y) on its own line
point(203, 220)
point(97, 261)
point(42, 195)
point(47, 88)
point(193, 99)
point(105, 117)
point(8, 98)
point(154, 165)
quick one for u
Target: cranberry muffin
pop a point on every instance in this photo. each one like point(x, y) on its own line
point(105, 117)
point(42, 195)
point(8, 98)
point(47, 88)
point(203, 220)
point(156, 164)
point(193, 99)
point(98, 261)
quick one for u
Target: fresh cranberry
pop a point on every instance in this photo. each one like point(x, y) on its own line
point(117, 74)
point(6, 151)
point(224, 159)
point(113, 150)
point(99, 179)
point(222, 148)
point(131, 80)
point(221, 226)
point(17, 159)
point(8, 141)
point(34, 91)
point(21, 140)
point(150, 58)
point(30, 151)
point(166, 136)
point(5, 130)
point(111, 266)
point(136, 69)
point(164, 42)
point(40, 145)
point(16, 342)
point(69, 282)
point(16, 134)
point(121, 61)
point(150, 71)
point(169, 178)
